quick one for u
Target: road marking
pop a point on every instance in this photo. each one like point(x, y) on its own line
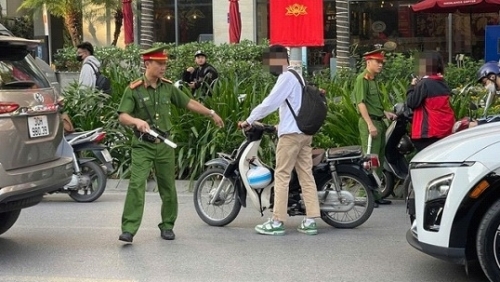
point(57, 279)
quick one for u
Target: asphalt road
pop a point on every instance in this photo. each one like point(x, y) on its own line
point(63, 241)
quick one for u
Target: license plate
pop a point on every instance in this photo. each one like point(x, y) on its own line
point(106, 155)
point(38, 126)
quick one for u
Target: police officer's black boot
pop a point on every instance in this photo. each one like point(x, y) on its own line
point(126, 237)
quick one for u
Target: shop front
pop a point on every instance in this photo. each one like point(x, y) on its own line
point(375, 22)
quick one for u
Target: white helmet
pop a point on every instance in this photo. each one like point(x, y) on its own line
point(259, 177)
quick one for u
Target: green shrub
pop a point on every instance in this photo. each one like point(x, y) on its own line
point(240, 72)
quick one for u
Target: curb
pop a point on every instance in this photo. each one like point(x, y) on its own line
point(119, 185)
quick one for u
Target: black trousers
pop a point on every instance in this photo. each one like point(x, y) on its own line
point(421, 143)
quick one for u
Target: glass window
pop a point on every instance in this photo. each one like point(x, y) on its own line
point(195, 18)
point(262, 20)
point(17, 71)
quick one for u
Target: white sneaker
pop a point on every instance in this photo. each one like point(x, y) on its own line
point(73, 183)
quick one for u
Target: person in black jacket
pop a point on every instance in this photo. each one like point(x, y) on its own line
point(201, 78)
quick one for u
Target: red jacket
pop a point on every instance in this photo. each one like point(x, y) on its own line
point(433, 116)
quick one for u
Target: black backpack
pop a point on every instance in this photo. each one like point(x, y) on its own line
point(101, 82)
point(312, 113)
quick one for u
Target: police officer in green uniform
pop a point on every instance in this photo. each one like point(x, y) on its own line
point(369, 102)
point(146, 105)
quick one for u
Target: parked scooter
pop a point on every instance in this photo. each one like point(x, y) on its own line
point(90, 176)
point(398, 146)
point(343, 177)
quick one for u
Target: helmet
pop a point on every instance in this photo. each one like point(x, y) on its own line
point(259, 177)
point(405, 146)
point(487, 69)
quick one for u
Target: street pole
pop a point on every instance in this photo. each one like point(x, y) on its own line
point(450, 37)
point(176, 20)
point(46, 29)
point(296, 59)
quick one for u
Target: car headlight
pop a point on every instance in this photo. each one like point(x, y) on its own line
point(439, 187)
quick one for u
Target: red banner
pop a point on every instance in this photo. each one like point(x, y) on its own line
point(296, 23)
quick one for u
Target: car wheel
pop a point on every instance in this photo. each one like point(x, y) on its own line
point(488, 242)
point(7, 219)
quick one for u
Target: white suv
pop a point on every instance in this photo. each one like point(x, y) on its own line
point(456, 199)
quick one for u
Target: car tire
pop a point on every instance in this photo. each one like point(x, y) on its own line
point(487, 245)
point(7, 219)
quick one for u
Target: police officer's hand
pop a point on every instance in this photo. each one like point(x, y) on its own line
point(190, 69)
point(372, 130)
point(217, 120)
point(142, 125)
point(390, 116)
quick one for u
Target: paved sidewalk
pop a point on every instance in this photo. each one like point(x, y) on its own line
point(119, 185)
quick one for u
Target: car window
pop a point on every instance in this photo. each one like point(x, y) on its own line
point(17, 71)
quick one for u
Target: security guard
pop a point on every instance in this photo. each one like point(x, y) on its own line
point(369, 102)
point(146, 105)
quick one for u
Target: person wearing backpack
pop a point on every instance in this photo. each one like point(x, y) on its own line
point(368, 100)
point(90, 65)
point(294, 146)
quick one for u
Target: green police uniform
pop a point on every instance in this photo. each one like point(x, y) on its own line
point(146, 154)
point(366, 91)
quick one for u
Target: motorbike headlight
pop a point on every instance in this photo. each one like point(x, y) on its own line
point(439, 187)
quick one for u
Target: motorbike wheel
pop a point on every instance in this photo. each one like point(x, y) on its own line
point(96, 186)
point(364, 202)
point(216, 214)
point(387, 186)
point(7, 219)
point(487, 244)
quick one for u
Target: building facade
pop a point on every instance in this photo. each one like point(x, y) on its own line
point(371, 22)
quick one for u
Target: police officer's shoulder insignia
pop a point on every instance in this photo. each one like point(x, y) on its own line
point(135, 84)
point(166, 80)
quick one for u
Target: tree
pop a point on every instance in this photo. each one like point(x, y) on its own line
point(69, 10)
point(343, 34)
point(116, 7)
point(147, 25)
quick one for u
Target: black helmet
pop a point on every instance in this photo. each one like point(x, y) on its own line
point(487, 69)
point(405, 145)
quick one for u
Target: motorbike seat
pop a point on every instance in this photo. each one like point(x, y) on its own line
point(317, 156)
point(344, 152)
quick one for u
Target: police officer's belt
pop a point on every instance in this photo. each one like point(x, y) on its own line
point(376, 118)
point(148, 137)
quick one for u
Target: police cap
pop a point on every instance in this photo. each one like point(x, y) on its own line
point(155, 54)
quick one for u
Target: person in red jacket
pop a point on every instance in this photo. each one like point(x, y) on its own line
point(429, 98)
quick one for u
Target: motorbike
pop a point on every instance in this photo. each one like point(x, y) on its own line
point(343, 178)
point(472, 120)
point(90, 173)
point(398, 146)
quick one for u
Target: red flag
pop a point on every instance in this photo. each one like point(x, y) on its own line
point(128, 21)
point(296, 23)
point(234, 22)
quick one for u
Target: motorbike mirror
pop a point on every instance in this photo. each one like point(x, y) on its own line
point(241, 97)
point(392, 99)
